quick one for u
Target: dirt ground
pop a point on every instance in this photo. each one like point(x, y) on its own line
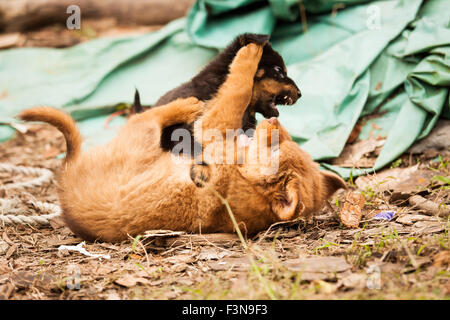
point(405, 258)
point(343, 253)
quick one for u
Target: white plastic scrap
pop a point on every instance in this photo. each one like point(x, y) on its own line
point(80, 249)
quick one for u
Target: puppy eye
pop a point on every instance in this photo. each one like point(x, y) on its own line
point(279, 71)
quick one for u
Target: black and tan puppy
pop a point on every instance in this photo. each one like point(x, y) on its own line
point(271, 87)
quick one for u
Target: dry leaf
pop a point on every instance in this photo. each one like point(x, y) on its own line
point(177, 268)
point(212, 254)
point(6, 291)
point(235, 264)
point(318, 268)
point(180, 258)
point(410, 219)
point(162, 233)
point(57, 223)
point(361, 154)
point(354, 281)
point(428, 206)
point(6, 239)
point(441, 258)
point(112, 295)
point(11, 250)
point(3, 247)
point(321, 286)
point(130, 281)
point(351, 211)
point(405, 180)
point(438, 139)
point(24, 279)
point(318, 264)
point(426, 227)
point(135, 256)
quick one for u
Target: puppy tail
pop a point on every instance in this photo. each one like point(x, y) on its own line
point(63, 122)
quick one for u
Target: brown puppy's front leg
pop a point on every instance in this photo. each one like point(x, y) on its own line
point(225, 111)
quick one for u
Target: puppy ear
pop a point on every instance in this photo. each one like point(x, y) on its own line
point(285, 202)
point(331, 183)
point(248, 38)
point(136, 107)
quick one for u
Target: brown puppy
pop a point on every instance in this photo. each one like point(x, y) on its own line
point(131, 185)
point(272, 86)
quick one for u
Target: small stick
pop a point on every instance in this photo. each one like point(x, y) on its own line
point(112, 116)
point(428, 206)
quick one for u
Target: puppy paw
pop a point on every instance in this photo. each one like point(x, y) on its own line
point(246, 62)
point(200, 174)
point(254, 51)
point(190, 100)
point(192, 108)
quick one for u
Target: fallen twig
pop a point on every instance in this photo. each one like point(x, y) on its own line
point(429, 206)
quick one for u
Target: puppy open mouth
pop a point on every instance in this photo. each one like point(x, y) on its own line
point(283, 100)
point(269, 110)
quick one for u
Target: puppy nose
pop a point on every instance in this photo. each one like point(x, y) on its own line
point(299, 94)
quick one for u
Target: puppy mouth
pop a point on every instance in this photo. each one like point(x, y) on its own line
point(283, 100)
point(270, 109)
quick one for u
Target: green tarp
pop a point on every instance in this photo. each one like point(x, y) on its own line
point(350, 59)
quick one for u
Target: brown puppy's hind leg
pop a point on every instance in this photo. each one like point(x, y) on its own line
point(200, 174)
point(178, 111)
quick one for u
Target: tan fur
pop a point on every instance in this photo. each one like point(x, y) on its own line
point(260, 73)
point(63, 122)
point(266, 88)
point(130, 185)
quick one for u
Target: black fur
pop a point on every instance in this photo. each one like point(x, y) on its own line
point(206, 84)
point(137, 106)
